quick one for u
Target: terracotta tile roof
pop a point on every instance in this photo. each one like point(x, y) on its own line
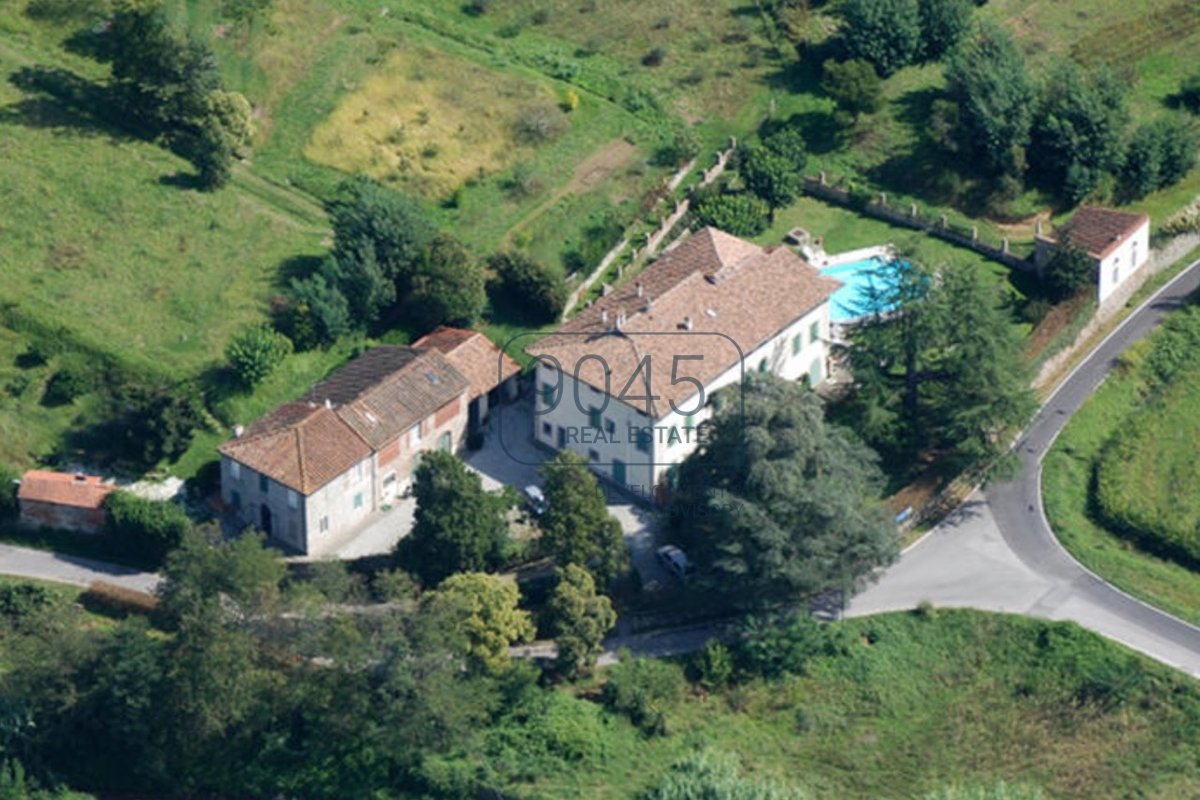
point(64, 489)
point(1099, 231)
point(387, 390)
point(481, 362)
point(301, 445)
point(736, 295)
point(346, 417)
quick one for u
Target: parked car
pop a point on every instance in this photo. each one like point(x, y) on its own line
point(535, 501)
point(673, 560)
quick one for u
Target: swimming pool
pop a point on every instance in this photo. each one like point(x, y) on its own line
point(860, 279)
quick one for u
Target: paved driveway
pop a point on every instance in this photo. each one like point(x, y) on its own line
point(998, 552)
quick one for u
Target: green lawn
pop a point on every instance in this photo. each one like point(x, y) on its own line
point(917, 703)
point(1067, 486)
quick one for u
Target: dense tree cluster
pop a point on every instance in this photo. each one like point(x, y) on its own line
point(891, 34)
point(1069, 135)
point(779, 503)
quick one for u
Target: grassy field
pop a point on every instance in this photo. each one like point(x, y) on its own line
point(916, 703)
point(426, 122)
point(1068, 485)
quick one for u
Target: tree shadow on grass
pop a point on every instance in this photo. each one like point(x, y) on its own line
point(927, 171)
point(62, 102)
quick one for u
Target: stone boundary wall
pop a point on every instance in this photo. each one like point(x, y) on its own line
point(911, 218)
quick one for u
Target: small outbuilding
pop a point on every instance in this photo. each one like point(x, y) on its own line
point(65, 500)
point(1117, 241)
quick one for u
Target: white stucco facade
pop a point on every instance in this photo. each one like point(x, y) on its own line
point(624, 445)
point(1119, 265)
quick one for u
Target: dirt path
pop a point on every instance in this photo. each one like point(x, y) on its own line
point(590, 173)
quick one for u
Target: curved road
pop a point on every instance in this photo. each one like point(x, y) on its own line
point(998, 553)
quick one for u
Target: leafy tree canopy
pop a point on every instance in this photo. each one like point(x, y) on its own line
point(580, 618)
point(986, 77)
point(779, 503)
point(526, 289)
point(1068, 273)
point(886, 33)
point(943, 25)
point(738, 214)
point(483, 609)
point(942, 368)
point(1076, 137)
point(448, 287)
point(854, 86)
point(459, 526)
point(577, 528)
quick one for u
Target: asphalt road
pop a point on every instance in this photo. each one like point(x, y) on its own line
point(998, 552)
point(26, 562)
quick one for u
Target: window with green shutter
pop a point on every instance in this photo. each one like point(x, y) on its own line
point(594, 417)
point(797, 343)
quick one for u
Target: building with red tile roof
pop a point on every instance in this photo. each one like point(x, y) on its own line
point(1117, 241)
point(626, 382)
point(64, 500)
point(316, 467)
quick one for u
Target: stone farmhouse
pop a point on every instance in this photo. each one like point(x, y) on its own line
point(1117, 241)
point(313, 471)
point(627, 382)
point(69, 501)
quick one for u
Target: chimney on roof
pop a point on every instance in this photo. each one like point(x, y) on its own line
point(620, 320)
point(238, 430)
point(687, 323)
point(328, 403)
point(649, 304)
point(604, 316)
point(639, 289)
point(80, 477)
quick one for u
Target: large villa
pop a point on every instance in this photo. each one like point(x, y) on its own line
point(627, 381)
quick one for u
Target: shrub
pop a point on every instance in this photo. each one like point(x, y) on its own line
point(680, 148)
point(145, 528)
point(772, 646)
point(546, 731)
point(22, 599)
point(73, 379)
point(655, 57)
point(640, 689)
point(1189, 93)
point(109, 598)
point(541, 123)
point(525, 288)
point(738, 214)
point(255, 353)
point(8, 493)
point(712, 666)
